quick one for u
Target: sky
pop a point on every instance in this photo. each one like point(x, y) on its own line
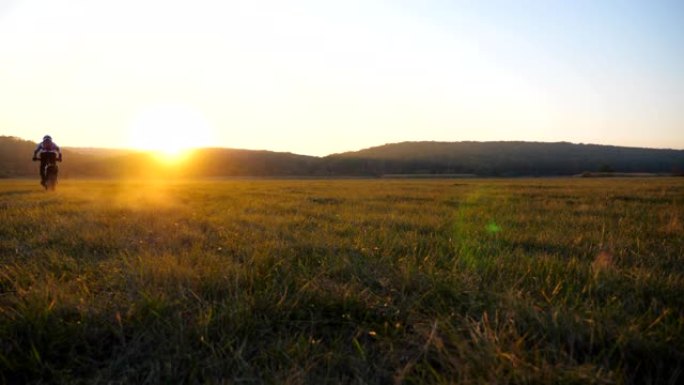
point(321, 77)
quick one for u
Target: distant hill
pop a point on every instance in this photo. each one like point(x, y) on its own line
point(15, 161)
point(15, 157)
point(407, 158)
point(101, 152)
point(216, 162)
point(506, 159)
point(16, 154)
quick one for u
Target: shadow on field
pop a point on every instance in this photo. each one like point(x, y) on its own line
point(644, 200)
point(326, 201)
point(16, 192)
point(536, 247)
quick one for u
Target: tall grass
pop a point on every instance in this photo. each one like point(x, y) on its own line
point(476, 281)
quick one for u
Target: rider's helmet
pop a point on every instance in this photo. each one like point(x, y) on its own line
point(47, 137)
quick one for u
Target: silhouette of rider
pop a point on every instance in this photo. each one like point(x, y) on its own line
point(46, 149)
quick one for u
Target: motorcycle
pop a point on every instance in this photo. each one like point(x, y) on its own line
point(49, 161)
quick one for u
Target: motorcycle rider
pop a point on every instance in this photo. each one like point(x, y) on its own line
point(45, 147)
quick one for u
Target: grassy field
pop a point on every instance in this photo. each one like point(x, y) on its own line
point(557, 281)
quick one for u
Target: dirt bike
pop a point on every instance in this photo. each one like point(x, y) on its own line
point(49, 159)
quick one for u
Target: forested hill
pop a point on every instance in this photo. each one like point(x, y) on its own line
point(510, 158)
point(15, 161)
point(407, 158)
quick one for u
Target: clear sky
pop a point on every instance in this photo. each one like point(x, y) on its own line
point(319, 77)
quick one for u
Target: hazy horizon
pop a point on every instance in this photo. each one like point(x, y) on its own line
point(317, 78)
point(353, 149)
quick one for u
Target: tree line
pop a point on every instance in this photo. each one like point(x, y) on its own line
point(406, 158)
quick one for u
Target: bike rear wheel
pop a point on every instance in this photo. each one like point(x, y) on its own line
point(51, 178)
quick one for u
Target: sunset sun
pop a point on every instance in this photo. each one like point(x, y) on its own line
point(170, 131)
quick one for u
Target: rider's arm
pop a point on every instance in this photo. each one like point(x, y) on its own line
point(37, 150)
point(59, 153)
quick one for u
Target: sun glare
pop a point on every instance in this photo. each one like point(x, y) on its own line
point(170, 131)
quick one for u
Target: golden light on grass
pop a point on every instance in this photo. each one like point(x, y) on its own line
point(603, 261)
point(340, 278)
